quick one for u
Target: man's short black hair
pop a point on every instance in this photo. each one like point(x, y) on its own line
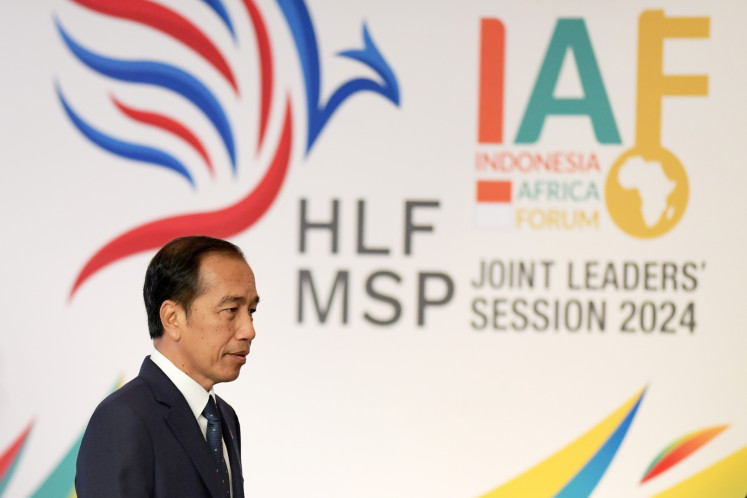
point(174, 273)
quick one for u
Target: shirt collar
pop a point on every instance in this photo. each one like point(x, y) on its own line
point(194, 393)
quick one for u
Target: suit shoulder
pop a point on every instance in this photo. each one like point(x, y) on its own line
point(135, 389)
point(116, 453)
point(133, 400)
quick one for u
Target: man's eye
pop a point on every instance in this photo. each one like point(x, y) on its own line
point(231, 310)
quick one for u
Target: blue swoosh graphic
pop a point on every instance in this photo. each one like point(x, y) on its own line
point(136, 152)
point(588, 477)
point(220, 9)
point(371, 57)
point(162, 75)
point(298, 19)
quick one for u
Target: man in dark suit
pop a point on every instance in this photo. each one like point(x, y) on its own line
point(165, 434)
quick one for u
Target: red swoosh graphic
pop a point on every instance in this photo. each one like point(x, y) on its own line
point(683, 450)
point(222, 223)
point(11, 454)
point(167, 21)
point(168, 124)
point(265, 63)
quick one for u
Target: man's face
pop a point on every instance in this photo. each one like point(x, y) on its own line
point(217, 333)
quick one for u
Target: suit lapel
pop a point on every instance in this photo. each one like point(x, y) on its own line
point(182, 423)
point(230, 436)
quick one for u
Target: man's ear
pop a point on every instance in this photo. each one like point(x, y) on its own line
point(172, 319)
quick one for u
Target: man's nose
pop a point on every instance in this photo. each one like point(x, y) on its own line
point(246, 329)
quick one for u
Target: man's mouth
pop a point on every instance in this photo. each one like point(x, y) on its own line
point(239, 355)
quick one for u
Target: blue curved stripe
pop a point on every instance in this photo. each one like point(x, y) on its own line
point(588, 477)
point(299, 21)
point(220, 9)
point(342, 93)
point(128, 150)
point(371, 56)
point(162, 75)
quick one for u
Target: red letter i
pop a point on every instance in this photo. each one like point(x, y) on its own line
point(492, 62)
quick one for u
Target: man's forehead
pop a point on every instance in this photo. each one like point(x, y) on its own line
point(220, 270)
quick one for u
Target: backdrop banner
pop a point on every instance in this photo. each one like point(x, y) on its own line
point(498, 244)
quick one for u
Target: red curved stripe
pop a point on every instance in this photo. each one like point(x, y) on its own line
point(685, 449)
point(167, 21)
point(10, 455)
point(168, 124)
point(222, 223)
point(265, 62)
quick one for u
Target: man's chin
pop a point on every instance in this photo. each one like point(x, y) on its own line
point(230, 374)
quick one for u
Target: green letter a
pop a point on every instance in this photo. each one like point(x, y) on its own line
point(569, 34)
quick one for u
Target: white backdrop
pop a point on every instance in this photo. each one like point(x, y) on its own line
point(462, 403)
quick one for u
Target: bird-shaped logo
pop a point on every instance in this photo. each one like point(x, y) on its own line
point(214, 101)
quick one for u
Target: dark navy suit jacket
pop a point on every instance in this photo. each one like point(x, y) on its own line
point(143, 440)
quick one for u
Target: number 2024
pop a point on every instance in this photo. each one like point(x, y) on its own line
point(646, 317)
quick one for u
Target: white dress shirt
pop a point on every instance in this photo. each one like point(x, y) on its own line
point(194, 393)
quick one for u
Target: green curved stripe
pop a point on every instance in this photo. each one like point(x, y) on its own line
point(61, 481)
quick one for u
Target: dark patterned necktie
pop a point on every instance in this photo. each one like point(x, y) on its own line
point(214, 437)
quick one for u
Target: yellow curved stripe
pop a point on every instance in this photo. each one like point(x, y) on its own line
point(547, 478)
point(725, 479)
